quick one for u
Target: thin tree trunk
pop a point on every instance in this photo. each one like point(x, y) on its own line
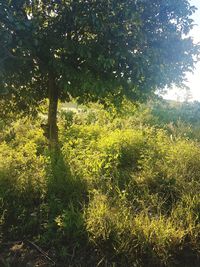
point(52, 113)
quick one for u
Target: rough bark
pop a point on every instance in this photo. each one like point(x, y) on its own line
point(52, 113)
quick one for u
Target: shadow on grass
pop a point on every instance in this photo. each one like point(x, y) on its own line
point(65, 201)
point(62, 184)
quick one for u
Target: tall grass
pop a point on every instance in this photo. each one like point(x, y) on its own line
point(122, 191)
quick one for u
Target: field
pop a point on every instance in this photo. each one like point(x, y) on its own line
point(122, 189)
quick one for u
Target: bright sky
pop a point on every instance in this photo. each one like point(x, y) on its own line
point(193, 79)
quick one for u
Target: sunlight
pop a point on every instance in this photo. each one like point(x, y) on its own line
point(193, 78)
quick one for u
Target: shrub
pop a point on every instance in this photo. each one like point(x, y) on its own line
point(22, 186)
point(126, 191)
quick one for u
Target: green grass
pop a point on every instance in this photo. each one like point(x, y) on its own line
point(123, 190)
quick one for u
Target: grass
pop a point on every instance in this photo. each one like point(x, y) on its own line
point(123, 190)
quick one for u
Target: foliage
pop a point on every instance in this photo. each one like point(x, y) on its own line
point(122, 191)
point(92, 49)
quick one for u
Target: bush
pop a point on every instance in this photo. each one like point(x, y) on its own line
point(121, 185)
point(22, 187)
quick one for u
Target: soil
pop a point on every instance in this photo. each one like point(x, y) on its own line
point(24, 254)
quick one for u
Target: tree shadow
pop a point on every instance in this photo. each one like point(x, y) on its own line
point(62, 184)
point(66, 199)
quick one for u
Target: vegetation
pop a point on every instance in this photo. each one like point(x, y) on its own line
point(122, 191)
point(91, 50)
point(118, 184)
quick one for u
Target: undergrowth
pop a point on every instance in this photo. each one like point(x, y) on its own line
point(123, 190)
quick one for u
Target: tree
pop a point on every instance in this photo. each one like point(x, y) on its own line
point(92, 48)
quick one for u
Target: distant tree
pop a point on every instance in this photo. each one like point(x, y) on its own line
point(92, 48)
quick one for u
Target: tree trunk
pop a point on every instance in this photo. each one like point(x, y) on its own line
point(52, 113)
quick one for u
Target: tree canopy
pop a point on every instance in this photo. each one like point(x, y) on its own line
point(92, 48)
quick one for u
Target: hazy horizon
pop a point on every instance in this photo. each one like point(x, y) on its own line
point(193, 79)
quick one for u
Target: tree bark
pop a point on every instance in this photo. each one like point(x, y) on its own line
point(52, 113)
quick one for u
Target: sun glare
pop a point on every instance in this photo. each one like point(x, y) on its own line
point(193, 78)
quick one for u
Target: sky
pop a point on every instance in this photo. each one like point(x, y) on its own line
point(193, 79)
